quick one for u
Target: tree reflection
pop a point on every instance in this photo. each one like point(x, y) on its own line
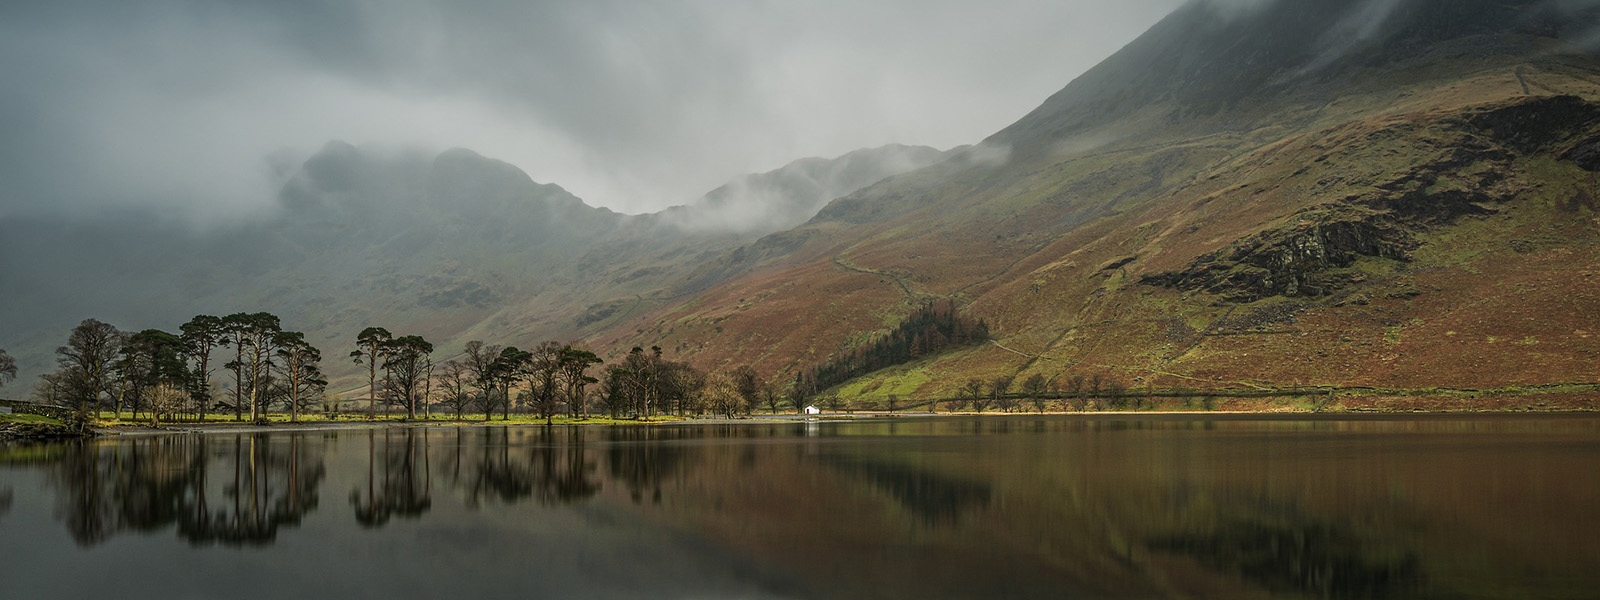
point(641, 457)
point(549, 465)
point(404, 488)
point(1284, 550)
point(150, 484)
point(936, 499)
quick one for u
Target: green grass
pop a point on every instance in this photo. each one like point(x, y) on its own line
point(29, 419)
point(107, 419)
point(902, 381)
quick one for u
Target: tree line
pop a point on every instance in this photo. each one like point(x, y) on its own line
point(166, 375)
point(1077, 392)
point(930, 329)
point(169, 376)
point(554, 378)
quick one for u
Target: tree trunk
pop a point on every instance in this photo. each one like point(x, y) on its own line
point(372, 381)
point(294, 391)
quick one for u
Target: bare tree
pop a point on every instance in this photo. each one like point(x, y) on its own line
point(1095, 383)
point(456, 383)
point(1075, 391)
point(749, 384)
point(481, 366)
point(1116, 394)
point(771, 398)
point(721, 394)
point(86, 362)
point(1034, 387)
point(998, 389)
point(973, 390)
point(8, 368)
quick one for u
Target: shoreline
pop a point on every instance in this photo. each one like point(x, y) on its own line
point(229, 427)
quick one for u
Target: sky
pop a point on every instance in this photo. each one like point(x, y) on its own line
point(199, 109)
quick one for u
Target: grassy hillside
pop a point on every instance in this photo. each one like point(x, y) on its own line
point(1430, 225)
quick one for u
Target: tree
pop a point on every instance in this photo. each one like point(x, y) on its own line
point(86, 363)
point(721, 394)
point(614, 391)
point(749, 384)
point(998, 389)
point(261, 331)
point(480, 365)
point(677, 388)
point(427, 387)
point(575, 364)
point(973, 389)
point(456, 383)
point(200, 336)
point(638, 373)
point(1116, 394)
point(771, 397)
point(235, 332)
point(801, 391)
point(507, 369)
point(369, 343)
point(51, 389)
point(151, 362)
point(298, 363)
point(128, 377)
point(8, 368)
point(1075, 391)
point(1034, 388)
point(405, 359)
point(543, 367)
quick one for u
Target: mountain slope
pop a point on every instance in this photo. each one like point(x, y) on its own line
point(453, 246)
point(1227, 202)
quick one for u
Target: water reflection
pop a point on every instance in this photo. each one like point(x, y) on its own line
point(948, 508)
point(551, 466)
point(399, 480)
point(1287, 551)
point(233, 490)
point(935, 499)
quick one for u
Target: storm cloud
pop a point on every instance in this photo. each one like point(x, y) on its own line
point(201, 108)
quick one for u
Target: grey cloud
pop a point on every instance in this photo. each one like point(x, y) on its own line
point(194, 107)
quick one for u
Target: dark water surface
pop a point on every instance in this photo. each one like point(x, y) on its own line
point(1022, 507)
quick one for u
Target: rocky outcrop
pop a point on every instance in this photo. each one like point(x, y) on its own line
point(1472, 176)
point(1294, 260)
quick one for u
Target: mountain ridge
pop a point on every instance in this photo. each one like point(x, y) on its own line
point(1049, 237)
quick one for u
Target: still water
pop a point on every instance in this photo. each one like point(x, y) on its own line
point(1022, 507)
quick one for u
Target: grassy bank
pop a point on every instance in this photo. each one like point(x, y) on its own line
point(32, 428)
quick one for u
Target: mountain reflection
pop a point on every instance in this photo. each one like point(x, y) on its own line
point(949, 508)
point(236, 490)
point(937, 500)
point(1285, 550)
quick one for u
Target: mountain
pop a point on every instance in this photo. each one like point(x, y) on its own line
point(1397, 194)
point(452, 246)
point(789, 196)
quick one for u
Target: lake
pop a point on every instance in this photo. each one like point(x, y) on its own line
point(992, 507)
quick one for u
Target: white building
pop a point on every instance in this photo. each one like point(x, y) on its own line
point(813, 410)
